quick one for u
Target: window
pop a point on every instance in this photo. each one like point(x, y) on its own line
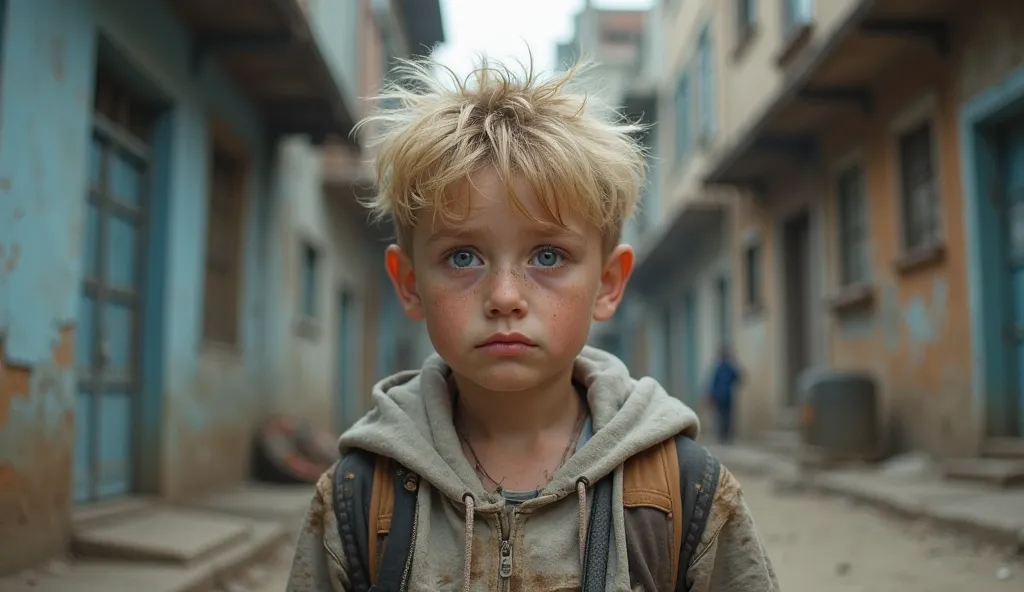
point(851, 214)
point(706, 73)
point(919, 187)
point(746, 17)
point(310, 280)
point(620, 37)
point(684, 114)
point(796, 14)
point(752, 265)
point(222, 282)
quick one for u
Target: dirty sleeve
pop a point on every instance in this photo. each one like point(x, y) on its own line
point(731, 556)
point(319, 564)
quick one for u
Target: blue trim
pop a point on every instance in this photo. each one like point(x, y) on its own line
point(986, 281)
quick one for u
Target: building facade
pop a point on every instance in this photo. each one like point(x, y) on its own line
point(339, 325)
point(684, 276)
point(159, 162)
point(867, 156)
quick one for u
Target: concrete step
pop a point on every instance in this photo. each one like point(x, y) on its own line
point(206, 574)
point(161, 535)
point(991, 471)
point(106, 512)
point(287, 504)
point(1010, 448)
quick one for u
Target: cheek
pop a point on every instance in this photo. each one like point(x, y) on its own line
point(448, 312)
point(568, 313)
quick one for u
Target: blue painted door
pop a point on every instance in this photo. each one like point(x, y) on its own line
point(346, 396)
point(107, 352)
point(1013, 330)
point(691, 344)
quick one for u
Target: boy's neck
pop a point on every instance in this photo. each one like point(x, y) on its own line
point(522, 415)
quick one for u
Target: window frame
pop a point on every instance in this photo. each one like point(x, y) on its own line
point(922, 113)
point(848, 222)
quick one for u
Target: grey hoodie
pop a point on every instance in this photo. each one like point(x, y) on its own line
point(460, 524)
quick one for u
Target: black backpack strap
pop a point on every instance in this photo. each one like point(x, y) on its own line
point(599, 533)
point(698, 480)
point(398, 549)
point(353, 486)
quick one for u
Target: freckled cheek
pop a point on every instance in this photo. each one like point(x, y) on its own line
point(568, 312)
point(448, 311)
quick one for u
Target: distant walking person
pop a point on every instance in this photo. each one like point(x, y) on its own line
point(724, 379)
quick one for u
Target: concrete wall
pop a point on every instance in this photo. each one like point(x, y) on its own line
point(761, 331)
point(309, 346)
point(196, 405)
point(915, 337)
point(754, 76)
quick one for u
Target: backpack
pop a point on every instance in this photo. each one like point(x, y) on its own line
point(375, 508)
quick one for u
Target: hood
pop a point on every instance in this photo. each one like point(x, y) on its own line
point(411, 422)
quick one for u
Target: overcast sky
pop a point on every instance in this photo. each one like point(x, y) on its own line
point(495, 28)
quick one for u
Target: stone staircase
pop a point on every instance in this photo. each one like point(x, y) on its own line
point(141, 544)
point(1001, 464)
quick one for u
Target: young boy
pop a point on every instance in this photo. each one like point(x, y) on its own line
point(508, 195)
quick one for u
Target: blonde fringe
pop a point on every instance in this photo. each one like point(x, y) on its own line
point(575, 153)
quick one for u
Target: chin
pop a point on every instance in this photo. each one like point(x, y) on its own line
point(505, 377)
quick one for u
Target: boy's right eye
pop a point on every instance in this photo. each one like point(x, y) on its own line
point(463, 258)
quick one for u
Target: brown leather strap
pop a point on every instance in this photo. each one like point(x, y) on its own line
point(382, 502)
point(651, 479)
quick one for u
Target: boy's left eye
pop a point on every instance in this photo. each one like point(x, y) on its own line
point(547, 258)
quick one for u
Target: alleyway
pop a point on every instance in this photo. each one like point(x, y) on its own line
point(821, 543)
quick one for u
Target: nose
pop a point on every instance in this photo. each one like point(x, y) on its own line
point(505, 295)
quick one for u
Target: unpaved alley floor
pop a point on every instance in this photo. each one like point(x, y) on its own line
point(826, 544)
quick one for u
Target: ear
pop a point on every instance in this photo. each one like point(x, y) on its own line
point(613, 282)
point(400, 270)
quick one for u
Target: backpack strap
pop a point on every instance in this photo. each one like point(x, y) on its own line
point(678, 477)
point(375, 498)
point(699, 471)
point(599, 539)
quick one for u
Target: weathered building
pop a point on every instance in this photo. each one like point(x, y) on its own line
point(339, 327)
point(151, 274)
point(684, 274)
point(867, 151)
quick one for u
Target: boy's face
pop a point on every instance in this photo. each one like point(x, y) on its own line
point(508, 301)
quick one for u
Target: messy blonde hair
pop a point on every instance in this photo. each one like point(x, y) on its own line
point(573, 151)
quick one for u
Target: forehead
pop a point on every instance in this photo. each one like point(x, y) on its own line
point(483, 205)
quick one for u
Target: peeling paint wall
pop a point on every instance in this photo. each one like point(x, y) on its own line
point(36, 436)
point(196, 409)
point(914, 337)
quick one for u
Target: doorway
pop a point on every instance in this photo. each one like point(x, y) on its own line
point(1009, 204)
point(797, 297)
point(109, 325)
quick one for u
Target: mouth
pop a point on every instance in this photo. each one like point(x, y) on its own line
point(507, 344)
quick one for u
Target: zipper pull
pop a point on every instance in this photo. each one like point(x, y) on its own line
point(505, 558)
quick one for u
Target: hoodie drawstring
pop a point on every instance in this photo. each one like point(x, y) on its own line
point(581, 497)
point(467, 563)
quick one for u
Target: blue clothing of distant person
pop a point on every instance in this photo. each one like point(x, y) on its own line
point(724, 378)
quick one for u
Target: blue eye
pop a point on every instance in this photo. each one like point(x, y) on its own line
point(548, 258)
point(462, 259)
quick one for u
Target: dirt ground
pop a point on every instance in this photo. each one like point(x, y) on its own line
point(822, 543)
